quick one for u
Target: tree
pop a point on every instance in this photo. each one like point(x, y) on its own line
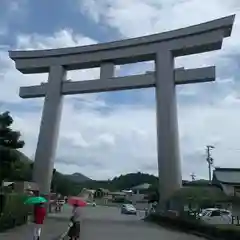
point(53, 182)
point(132, 179)
point(9, 142)
point(153, 193)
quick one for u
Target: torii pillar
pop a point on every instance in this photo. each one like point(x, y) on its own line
point(167, 136)
point(162, 48)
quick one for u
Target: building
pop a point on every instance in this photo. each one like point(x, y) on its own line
point(87, 194)
point(228, 179)
point(101, 192)
point(140, 189)
point(21, 187)
point(140, 192)
point(118, 196)
point(222, 192)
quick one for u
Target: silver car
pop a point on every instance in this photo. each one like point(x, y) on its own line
point(128, 209)
point(216, 216)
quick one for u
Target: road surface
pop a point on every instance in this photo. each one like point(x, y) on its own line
point(107, 223)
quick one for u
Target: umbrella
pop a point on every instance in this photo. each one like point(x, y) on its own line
point(35, 200)
point(77, 201)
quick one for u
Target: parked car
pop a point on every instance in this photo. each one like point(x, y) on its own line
point(216, 216)
point(206, 210)
point(128, 209)
point(93, 204)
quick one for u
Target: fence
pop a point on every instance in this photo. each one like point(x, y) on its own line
point(236, 220)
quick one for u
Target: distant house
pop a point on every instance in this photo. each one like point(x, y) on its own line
point(87, 194)
point(101, 192)
point(142, 188)
point(117, 196)
point(21, 187)
point(7, 184)
point(223, 192)
point(7, 187)
point(140, 192)
point(200, 196)
point(228, 179)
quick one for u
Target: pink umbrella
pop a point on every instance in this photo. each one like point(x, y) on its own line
point(77, 201)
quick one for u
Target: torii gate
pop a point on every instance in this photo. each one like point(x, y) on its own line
point(162, 48)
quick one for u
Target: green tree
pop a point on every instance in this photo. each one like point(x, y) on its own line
point(132, 179)
point(9, 142)
point(53, 182)
point(153, 193)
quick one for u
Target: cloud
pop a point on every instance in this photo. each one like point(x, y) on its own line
point(88, 137)
point(101, 139)
point(3, 30)
point(202, 107)
point(11, 9)
point(62, 38)
point(154, 16)
point(11, 79)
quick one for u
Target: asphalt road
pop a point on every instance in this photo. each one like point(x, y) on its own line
point(107, 223)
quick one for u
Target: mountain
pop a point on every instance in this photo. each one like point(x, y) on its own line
point(130, 180)
point(78, 178)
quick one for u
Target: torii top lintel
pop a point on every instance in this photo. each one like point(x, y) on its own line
point(190, 40)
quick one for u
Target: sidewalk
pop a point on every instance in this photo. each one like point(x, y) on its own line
point(54, 226)
point(52, 230)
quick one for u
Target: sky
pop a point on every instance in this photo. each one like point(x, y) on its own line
point(103, 135)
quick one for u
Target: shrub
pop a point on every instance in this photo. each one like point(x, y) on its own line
point(192, 225)
point(14, 213)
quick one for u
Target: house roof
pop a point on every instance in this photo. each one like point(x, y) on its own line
point(103, 190)
point(30, 186)
point(142, 186)
point(6, 184)
point(89, 191)
point(117, 193)
point(227, 175)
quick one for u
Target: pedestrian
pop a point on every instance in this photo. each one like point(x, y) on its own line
point(74, 230)
point(39, 217)
point(56, 206)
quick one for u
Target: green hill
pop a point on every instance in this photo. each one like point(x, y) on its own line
point(22, 157)
point(72, 184)
point(78, 177)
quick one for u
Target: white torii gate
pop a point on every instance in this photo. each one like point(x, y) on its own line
point(162, 48)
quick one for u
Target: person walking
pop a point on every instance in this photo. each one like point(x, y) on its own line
point(39, 217)
point(74, 230)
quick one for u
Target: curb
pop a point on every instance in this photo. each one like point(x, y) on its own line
point(198, 234)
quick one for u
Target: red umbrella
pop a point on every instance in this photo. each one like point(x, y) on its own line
point(77, 201)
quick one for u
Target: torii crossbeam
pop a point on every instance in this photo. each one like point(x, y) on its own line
point(162, 48)
point(147, 80)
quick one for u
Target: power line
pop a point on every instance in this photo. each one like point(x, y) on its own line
point(228, 149)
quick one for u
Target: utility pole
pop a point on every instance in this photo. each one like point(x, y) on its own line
point(209, 160)
point(193, 176)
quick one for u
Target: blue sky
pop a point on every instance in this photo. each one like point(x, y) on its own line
point(97, 129)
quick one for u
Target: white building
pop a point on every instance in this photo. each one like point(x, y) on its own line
point(139, 192)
